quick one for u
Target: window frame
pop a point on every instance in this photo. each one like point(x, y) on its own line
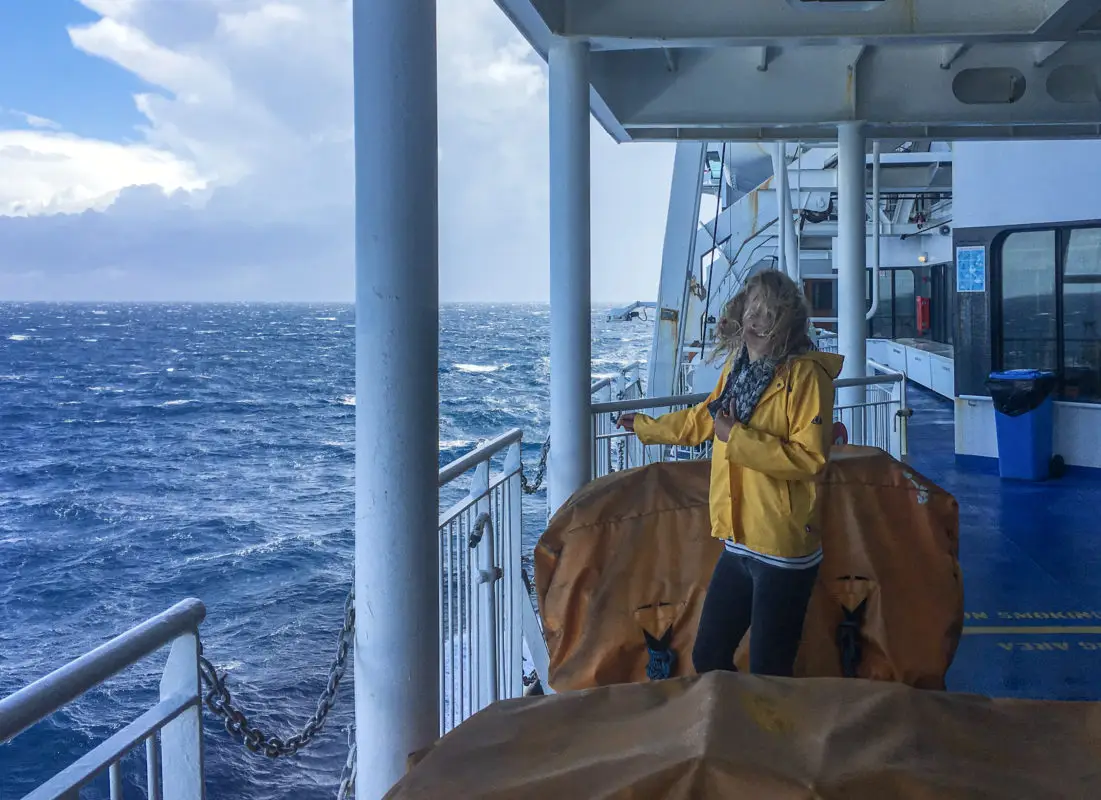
point(997, 316)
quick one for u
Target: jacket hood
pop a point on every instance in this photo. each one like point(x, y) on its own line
point(830, 362)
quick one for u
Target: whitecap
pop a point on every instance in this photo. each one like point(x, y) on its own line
point(480, 368)
point(102, 389)
point(325, 319)
point(448, 444)
point(347, 400)
point(172, 403)
point(18, 337)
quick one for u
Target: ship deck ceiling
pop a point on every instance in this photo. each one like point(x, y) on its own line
point(793, 69)
point(1031, 558)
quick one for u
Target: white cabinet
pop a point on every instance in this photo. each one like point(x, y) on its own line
point(931, 370)
point(944, 376)
point(896, 356)
point(877, 351)
point(918, 368)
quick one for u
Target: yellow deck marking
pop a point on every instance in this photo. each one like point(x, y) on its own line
point(1031, 629)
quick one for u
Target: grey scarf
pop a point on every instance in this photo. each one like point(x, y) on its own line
point(745, 385)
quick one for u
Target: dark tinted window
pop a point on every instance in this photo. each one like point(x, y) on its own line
point(1028, 301)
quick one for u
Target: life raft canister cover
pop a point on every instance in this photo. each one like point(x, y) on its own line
point(727, 735)
point(622, 570)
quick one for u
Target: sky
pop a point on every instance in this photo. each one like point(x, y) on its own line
point(198, 150)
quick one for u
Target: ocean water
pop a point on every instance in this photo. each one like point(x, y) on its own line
point(153, 452)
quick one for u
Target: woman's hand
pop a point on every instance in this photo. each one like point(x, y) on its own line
point(724, 424)
point(626, 421)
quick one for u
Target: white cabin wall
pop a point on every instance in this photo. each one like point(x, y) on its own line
point(1021, 183)
point(1025, 183)
point(1077, 431)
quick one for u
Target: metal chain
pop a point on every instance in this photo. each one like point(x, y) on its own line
point(219, 701)
point(348, 774)
point(540, 472)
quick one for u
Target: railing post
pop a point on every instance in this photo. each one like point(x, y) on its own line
point(182, 738)
point(514, 593)
point(486, 579)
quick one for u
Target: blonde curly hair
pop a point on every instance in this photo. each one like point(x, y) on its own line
point(775, 309)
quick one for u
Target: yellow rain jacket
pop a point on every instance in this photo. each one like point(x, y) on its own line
point(763, 485)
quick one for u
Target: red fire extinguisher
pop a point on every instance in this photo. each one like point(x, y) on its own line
point(922, 315)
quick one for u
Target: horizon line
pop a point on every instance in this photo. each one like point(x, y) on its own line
point(442, 303)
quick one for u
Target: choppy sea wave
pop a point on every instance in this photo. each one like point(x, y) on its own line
point(152, 453)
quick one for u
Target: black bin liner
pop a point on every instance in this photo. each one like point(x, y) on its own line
point(1019, 391)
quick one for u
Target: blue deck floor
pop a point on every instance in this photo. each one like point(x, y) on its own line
point(1031, 556)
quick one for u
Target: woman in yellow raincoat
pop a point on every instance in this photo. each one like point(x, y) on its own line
point(771, 417)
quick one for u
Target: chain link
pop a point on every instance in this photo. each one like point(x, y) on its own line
point(348, 774)
point(540, 472)
point(219, 701)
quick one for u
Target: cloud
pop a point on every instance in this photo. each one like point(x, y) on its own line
point(31, 120)
point(238, 184)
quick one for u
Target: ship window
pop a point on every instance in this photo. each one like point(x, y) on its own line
point(1082, 314)
point(1028, 301)
point(883, 322)
point(905, 305)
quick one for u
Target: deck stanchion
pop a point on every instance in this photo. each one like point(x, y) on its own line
point(851, 269)
point(397, 644)
point(570, 462)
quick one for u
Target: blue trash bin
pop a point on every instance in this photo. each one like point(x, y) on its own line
point(1023, 415)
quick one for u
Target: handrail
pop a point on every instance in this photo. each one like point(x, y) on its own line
point(692, 399)
point(603, 383)
point(37, 701)
point(481, 453)
point(649, 402)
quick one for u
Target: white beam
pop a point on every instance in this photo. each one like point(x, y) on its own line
point(694, 23)
point(1066, 17)
point(851, 258)
point(786, 253)
point(397, 645)
point(903, 91)
point(533, 20)
point(570, 460)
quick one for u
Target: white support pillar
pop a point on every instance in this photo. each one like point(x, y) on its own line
point(571, 341)
point(851, 260)
point(787, 251)
point(397, 641)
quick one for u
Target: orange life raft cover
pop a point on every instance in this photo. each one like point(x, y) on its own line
point(726, 735)
point(632, 552)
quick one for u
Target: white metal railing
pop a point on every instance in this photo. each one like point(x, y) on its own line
point(174, 762)
point(481, 583)
point(624, 387)
point(880, 422)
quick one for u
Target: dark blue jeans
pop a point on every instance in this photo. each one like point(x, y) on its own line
point(770, 602)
